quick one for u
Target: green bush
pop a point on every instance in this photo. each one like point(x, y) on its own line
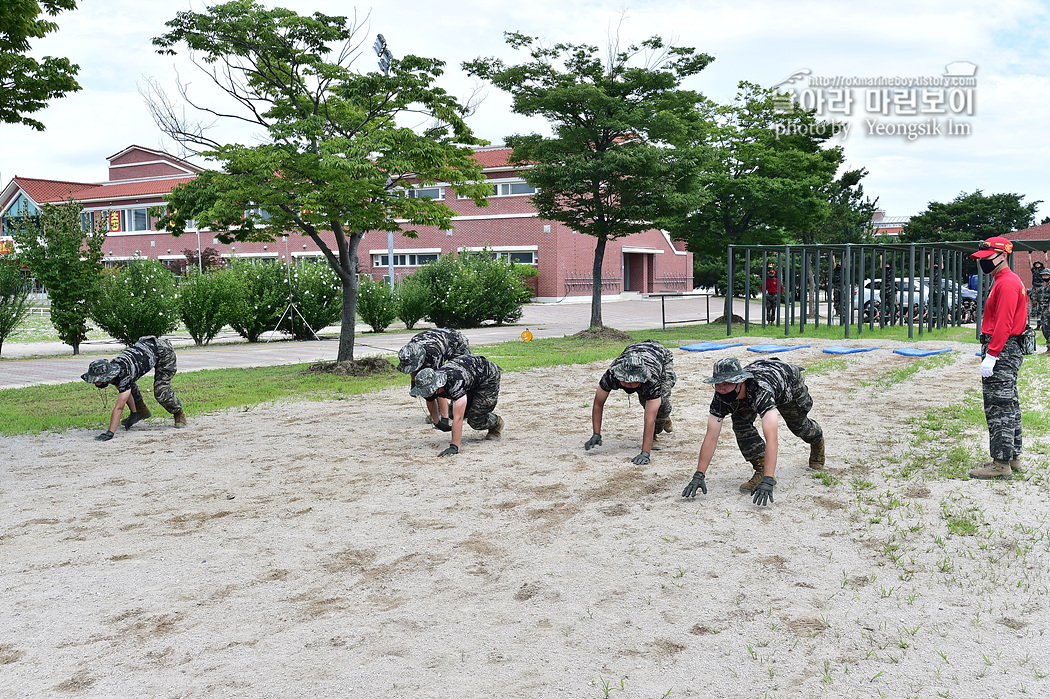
point(135, 300)
point(318, 295)
point(262, 297)
point(413, 301)
point(208, 302)
point(468, 289)
point(14, 298)
point(376, 304)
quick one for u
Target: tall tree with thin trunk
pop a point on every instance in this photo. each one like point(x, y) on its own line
point(336, 151)
point(608, 170)
point(14, 297)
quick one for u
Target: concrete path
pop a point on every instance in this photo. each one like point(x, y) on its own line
point(27, 364)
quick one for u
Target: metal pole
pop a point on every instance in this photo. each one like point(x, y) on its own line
point(390, 255)
point(200, 264)
point(729, 292)
point(911, 291)
point(747, 291)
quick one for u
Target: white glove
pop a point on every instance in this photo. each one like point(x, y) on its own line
point(988, 365)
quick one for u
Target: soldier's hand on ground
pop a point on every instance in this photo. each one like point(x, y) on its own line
point(988, 365)
point(696, 484)
point(104, 437)
point(594, 441)
point(642, 459)
point(130, 420)
point(451, 451)
point(763, 492)
point(443, 424)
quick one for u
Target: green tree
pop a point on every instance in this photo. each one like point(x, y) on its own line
point(27, 84)
point(207, 301)
point(766, 177)
point(261, 291)
point(377, 304)
point(66, 259)
point(14, 297)
point(136, 300)
point(973, 216)
point(607, 171)
point(334, 158)
point(849, 212)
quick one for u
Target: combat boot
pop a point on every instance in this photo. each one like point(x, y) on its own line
point(995, 470)
point(1015, 465)
point(497, 431)
point(667, 425)
point(180, 419)
point(760, 467)
point(816, 455)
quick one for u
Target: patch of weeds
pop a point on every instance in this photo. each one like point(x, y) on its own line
point(827, 366)
point(901, 374)
point(824, 477)
point(962, 521)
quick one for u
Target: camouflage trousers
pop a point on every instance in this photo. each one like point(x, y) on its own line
point(163, 373)
point(796, 417)
point(771, 308)
point(1044, 322)
point(1002, 409)
point(482, 402)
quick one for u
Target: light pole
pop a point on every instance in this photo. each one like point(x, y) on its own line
point(200, 263)
point(385, 57)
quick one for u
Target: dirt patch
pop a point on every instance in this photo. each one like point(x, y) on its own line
point(604, 333)
point(368, 366)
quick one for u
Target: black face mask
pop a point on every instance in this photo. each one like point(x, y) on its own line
point(987, 265)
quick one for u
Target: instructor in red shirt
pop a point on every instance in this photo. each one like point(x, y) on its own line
point(1005, 318)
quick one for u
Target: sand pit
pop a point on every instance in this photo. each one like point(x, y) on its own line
point(322, 550)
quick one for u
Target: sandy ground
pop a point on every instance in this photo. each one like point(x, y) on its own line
point(322, 550)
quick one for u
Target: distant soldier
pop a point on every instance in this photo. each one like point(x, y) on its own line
point(1036, 293)
point(148, 354)
point(762, 389)
point(431, 349)
point(471, 384)
point(1044, 305)
point(645, 368)
point(772, 300)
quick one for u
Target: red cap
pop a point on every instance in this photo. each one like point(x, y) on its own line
point(993, 246)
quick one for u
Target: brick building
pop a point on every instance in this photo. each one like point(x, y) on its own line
point(139, 179)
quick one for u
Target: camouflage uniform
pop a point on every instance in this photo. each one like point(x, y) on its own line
point(1044, 312)
point(432, 348)
point(774, 384)
point(478, 379)
point(1002, 407)
point(149, 354)
point(659, 366)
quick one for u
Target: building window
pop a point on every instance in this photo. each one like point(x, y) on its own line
point(404, 259)
point(509, 189)
point(525, 257)
point(139, 219)
point(425, 193)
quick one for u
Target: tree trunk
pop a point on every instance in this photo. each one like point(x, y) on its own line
point(349, 319)
point(596, 284)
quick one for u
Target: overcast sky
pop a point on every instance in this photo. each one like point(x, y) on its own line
point(1007, 150)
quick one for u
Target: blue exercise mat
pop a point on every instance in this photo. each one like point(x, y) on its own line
point(707, 346)
point(911, 352)
point(839, 349)
point(767, 349)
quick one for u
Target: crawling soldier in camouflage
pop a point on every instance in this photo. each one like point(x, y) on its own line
point(148, 354)
point(430, 349)
point(648, 369)
point(748, 393)
point(471, 384)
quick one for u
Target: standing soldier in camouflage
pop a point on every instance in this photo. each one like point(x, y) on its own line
point(1044, 306)
point(1037, 292)
point(148, 354)
point(471, 384)
point(753, 392)
point(431, 349)
point(1005, 318)
point(646, 368)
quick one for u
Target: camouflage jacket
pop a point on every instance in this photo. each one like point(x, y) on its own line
point(467, 374)
point(440, 345)
point(135, 362)
point(774, 382)
point(659, 364)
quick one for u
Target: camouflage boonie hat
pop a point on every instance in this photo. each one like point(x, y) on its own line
point(427, 383)
point(101, 370)
point(630, 369)
point(728, 371)
point(1044, 272)
point(410, 358)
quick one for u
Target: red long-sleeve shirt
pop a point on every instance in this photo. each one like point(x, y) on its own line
point(1005, 311)
point(772, 285)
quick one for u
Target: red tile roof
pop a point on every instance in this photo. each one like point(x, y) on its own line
point(496, 157)
point(51, 191)
point(131, 189)
point(55, 191)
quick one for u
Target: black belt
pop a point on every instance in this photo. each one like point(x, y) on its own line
point(986, 338)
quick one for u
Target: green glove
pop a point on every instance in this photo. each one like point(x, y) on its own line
point(696, 484)
point(130, 420)
point(452, 450)
point(763, 491)
point(594, 441)
point(642, 459)
point(443, 424)
point(104, 437)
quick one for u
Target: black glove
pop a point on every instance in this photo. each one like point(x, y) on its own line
point(696, 484)
point(104, 437)
point(594, 441)
point(763, 491)
point(130, 420)
point(443, 424)
point(452, 449)
point(642, 459)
